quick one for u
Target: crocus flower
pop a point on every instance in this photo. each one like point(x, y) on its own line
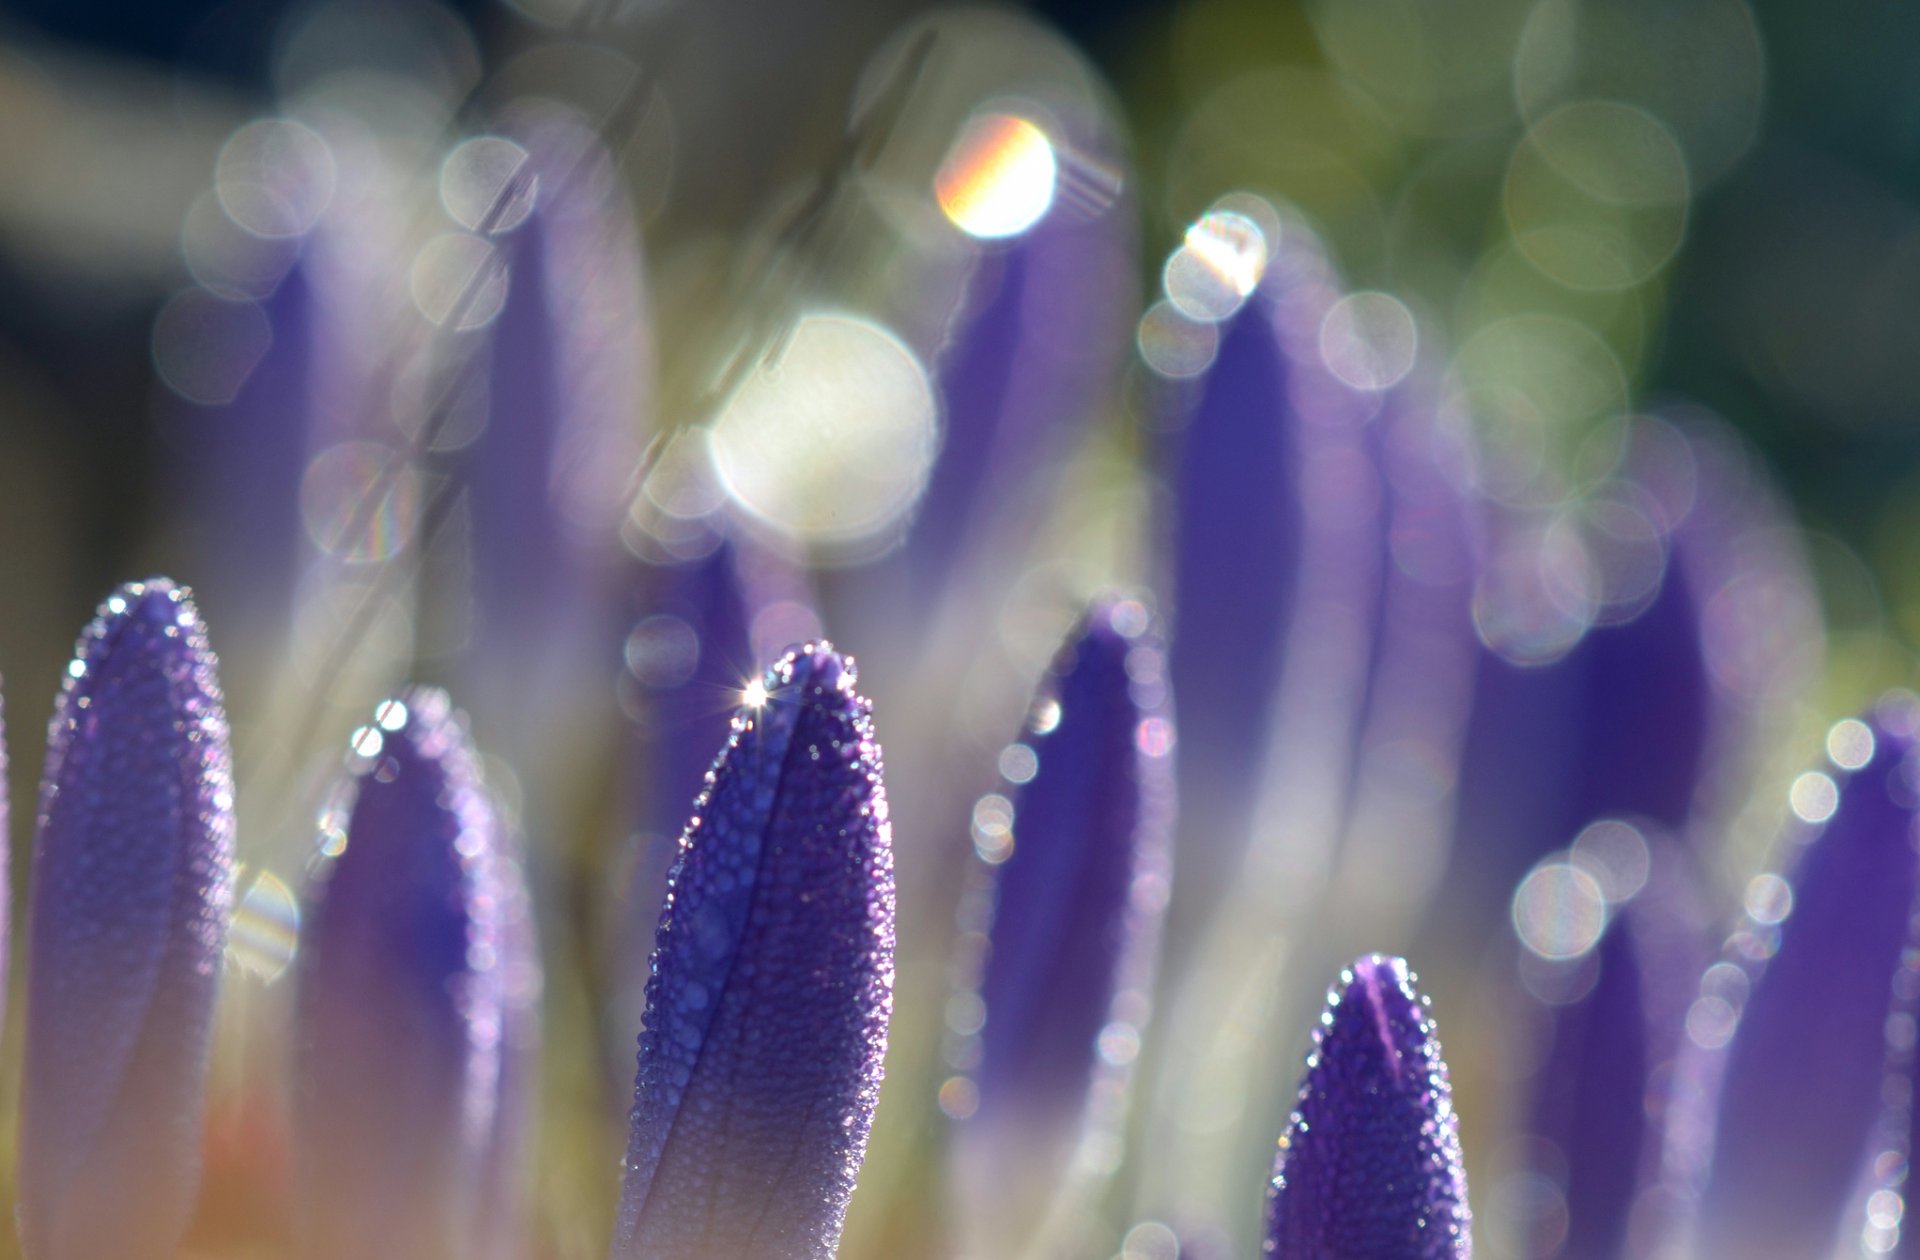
point(132, 884)
point(1369, 1167)
point(1077, 885)
point(569, 392)
point(1788, 1130)
point(1036, 346)
point(1237, 546)
point(412, 1037)
point(1278, 548)
point(1612, 1026)
point(772, 986)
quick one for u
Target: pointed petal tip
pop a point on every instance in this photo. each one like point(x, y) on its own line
point(1370, 1166)
point(131, 894)
point(780, 916)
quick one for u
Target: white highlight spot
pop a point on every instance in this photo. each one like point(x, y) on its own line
point(998, 178)
point(1814, 797)
point(833, 440)
point(1850, 743)
point(1559, 911)
point(1369, 340)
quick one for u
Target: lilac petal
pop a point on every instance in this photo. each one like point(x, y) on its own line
point(1046, 326)
point(247, 460)
point(403, 998)
point(1237, 548)
point(1076, 902)
point(507, 1164)
point(1369, 1168)
point(1607, 1054)
point(132, 888)
point(772, 986)
point(569, 386)
point(1617, 727)
point(1800, 1089)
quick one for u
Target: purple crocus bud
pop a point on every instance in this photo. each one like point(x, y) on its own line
point(772, 986)
point(413, 975)
point(1616, 726)
point(568, 391)
point(1613, 1022)
point(1800, 1086)
point(1369, 1167)
point(132, 888)
point(1078, 882)
point(1042, 333)
point(1237, 550)
point(1278, 540)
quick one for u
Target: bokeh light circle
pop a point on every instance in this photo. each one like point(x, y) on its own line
point(832, 440)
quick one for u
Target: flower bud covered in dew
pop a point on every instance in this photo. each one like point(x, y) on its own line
point(132, 888)
point(1369, 1167)
point(772, 986)
point(414, 976)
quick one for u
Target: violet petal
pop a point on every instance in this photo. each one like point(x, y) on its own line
point(1369, 1168)
point(401, 1007)
point(132, 890)
point(772, 986)
point(1077, 901)
point(1237, 546)
point(1608, 1054)
point(1801, 1085)
point(568, 393)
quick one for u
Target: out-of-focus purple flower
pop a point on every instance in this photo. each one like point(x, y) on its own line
point(132, 888)
point(772, 986)
point(1689, 606)
point(415, 994)
point(1792, 1122)
point(1038, 343)
point(568, 396)
point(1077, 885)
point(1369, 1167)
point(1613, 1023)
point(1618, 726)
point(1278, 549)
point(1237, 545)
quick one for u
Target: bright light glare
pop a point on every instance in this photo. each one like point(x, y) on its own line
point(832, 440)
point(998, 178)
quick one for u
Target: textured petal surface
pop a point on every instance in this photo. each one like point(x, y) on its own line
point(772, 987)
point(1801, 1087)
point(403, 998)
point(1369, 1168)
point(132, 889)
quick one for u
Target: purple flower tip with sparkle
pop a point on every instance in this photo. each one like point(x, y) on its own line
point(132, 889)
point(1369, 1168)
point(413, 975)
point(772, 985)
